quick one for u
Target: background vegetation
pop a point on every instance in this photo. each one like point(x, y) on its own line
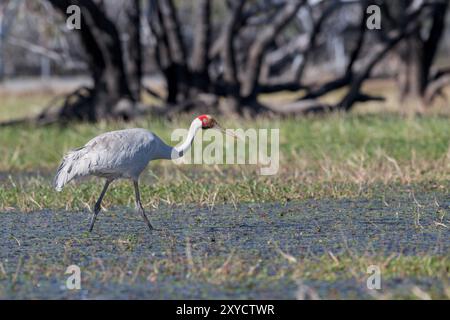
point(364, 143)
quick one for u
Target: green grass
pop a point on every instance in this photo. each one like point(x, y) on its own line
point(243, 273)
point(334, 156)
point(337, 138)
point(13, 106)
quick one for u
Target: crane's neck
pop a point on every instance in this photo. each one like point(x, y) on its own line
point(180, 150)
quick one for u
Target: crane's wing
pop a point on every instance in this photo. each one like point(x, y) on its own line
point(112, 153)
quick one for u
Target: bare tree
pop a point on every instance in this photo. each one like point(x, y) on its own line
point(8, 10)
point(250, 65)
point(185, 81)
point(116, 82)
point(225, 62)
point(417, 53)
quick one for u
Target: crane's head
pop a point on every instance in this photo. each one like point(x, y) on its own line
point(208, 122)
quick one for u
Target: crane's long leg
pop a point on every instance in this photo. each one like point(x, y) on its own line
point(139, 207)
point(98, 204)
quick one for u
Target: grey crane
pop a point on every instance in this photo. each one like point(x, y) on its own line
point(123, 154)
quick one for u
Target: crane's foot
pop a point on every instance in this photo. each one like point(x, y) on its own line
point(144, 216)
point(93, 218)
point(150, 227)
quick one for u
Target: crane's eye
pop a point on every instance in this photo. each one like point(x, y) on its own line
point(207, 123)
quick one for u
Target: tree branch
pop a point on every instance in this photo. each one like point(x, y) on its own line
point(260, 45)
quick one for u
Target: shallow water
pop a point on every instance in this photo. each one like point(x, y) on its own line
point(303, 229)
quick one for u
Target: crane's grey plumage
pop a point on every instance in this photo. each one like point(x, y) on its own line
point(122, 154)
point(112, 155)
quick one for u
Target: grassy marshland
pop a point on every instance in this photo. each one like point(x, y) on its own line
point(352, 191)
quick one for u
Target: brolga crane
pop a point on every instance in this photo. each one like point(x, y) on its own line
point(123, 154)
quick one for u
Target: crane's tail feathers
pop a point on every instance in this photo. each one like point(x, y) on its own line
point(68, 169)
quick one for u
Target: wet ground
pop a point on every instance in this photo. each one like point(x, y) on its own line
point(257, 232)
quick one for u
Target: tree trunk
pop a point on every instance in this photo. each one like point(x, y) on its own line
point(202, 42)
point(111, 96)
point(178, 71)
point(134, 57)
point(259, 48)
point(417, 55)
point(231, 83)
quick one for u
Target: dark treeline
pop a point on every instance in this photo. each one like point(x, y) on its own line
point(224, 61)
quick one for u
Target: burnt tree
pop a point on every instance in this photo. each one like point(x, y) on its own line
point(239, 67)
point(116, 83)
point(417, 79)
point(258, 47)
point(185, 81)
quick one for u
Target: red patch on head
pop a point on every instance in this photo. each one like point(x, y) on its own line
point(204, 118)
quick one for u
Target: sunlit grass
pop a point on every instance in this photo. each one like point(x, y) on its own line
point(15, 106)
point(330, 157)
point(177, 187)
point(337, 138)
point(337, 156)
point(340, 155)
point(236, 270)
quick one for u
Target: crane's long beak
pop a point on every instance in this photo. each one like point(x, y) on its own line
point(228, 133)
